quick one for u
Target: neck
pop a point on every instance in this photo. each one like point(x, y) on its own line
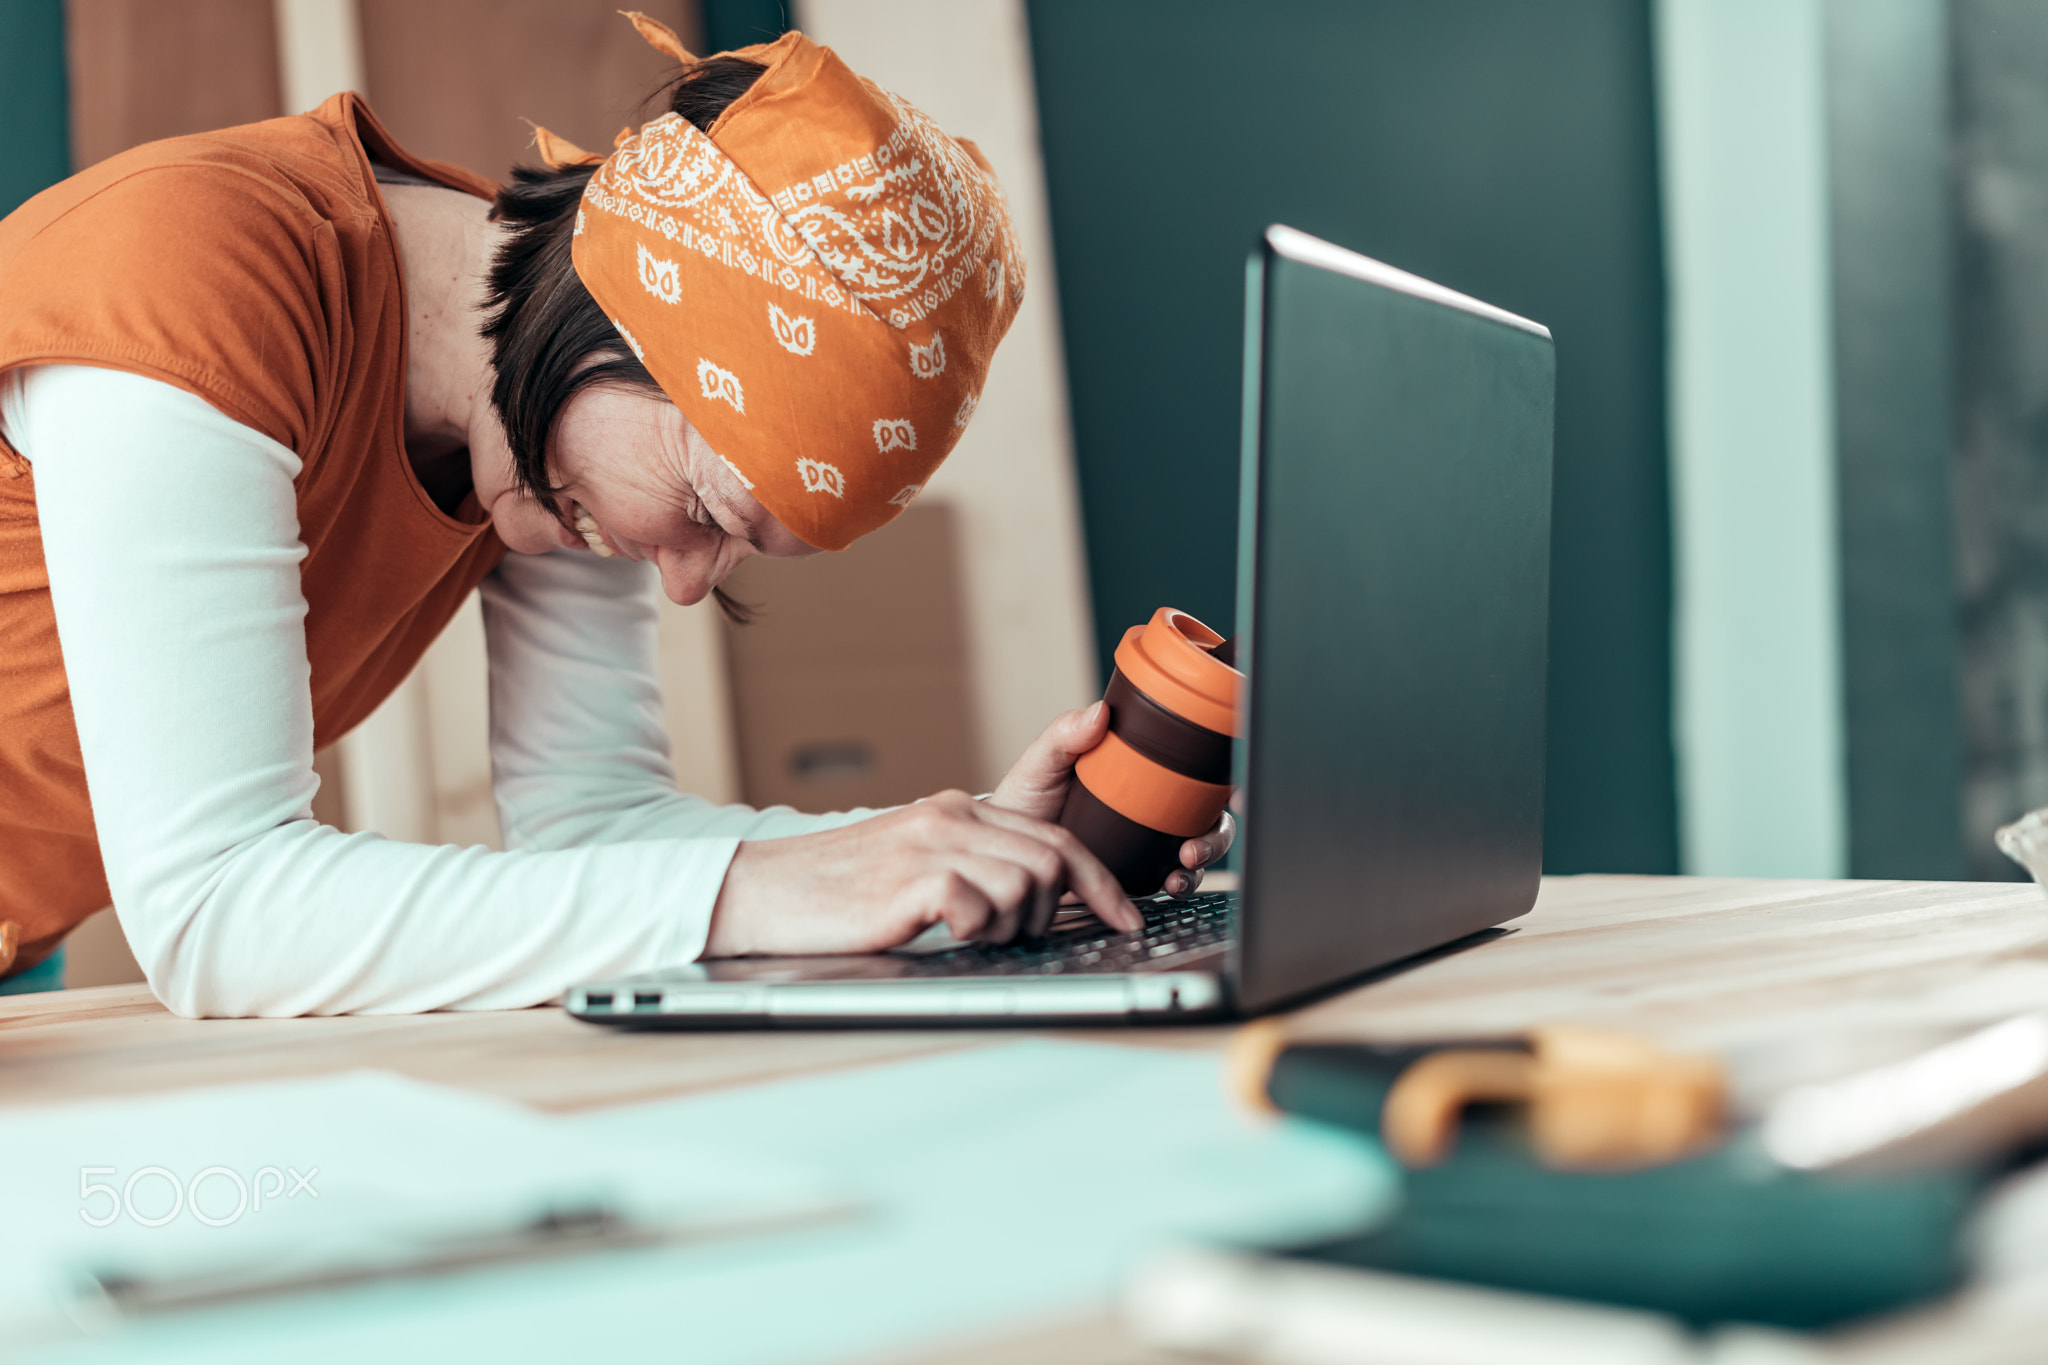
point(445, 245)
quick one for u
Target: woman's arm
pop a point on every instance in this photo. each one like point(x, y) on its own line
point(579, 757)
point(578, 752)
point(171, 538)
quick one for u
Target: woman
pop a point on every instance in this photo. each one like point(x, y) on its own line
point(274, 400)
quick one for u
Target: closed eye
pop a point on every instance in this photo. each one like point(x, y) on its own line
point(747, 531)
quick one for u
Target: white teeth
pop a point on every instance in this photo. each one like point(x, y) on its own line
point(586, 526)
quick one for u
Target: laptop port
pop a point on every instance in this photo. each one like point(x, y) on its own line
point(646, 1001)
point(597, 1000)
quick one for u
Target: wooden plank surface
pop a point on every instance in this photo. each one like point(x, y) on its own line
point(1696, 962)
point(142, 70)
point(1722, 964)
point(117, 1040)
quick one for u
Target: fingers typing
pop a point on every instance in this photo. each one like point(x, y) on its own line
point(1083, 872)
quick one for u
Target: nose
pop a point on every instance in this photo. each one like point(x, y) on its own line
point(689, 574)
point(682, 582)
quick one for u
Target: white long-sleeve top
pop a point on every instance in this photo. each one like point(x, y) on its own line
point(170, 533)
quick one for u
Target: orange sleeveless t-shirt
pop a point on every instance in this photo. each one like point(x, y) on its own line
point(255, 268)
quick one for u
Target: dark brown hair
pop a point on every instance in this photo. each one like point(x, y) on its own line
point(549, 339)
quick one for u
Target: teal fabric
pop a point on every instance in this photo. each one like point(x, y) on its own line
point(47, 975)
point(1006, 1185)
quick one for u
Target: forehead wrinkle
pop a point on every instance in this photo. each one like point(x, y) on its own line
point(638, 449)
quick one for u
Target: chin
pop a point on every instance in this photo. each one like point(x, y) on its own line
point(521, 536)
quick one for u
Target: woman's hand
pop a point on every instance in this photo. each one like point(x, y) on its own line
point(1037, 786)
point(983, 871)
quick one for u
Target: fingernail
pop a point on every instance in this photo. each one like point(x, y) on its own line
point(1094, 712)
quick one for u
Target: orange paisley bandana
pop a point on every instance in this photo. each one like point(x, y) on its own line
point(819, 285)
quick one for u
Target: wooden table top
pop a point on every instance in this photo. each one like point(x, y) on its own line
point(1695, 962)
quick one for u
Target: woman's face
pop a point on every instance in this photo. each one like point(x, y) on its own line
point(651, 488)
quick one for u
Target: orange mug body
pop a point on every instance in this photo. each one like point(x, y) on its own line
point(1162, 776)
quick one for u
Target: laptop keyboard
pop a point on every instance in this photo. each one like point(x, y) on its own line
point(1173, 928)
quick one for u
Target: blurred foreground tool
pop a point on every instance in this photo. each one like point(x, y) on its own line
point(1581, 1164)
point(1595, 1099)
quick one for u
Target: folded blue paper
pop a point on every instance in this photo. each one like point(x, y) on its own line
point(1005, 1184)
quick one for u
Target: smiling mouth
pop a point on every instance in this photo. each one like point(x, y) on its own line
point(586, 526)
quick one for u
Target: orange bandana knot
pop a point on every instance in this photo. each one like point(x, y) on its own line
point(660, 37)
point(558, 151)
point(820, 287)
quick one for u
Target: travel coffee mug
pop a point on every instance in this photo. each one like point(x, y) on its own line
point(1162, 774)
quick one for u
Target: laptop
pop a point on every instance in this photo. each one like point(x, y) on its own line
point(1393, 604)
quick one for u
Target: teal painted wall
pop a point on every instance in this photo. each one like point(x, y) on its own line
point(1745, 148)
point(32, 99)
point(742, 23)
point(1907, 544)
point(1996, 163)
point(1504, 148)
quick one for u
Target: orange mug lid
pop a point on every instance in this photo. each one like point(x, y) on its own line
point(1169, 659)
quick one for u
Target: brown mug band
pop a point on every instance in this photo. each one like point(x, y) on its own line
point(1187, 748)
point(1140, 859)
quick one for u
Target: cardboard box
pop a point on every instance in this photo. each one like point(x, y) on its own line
point(851, 687)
